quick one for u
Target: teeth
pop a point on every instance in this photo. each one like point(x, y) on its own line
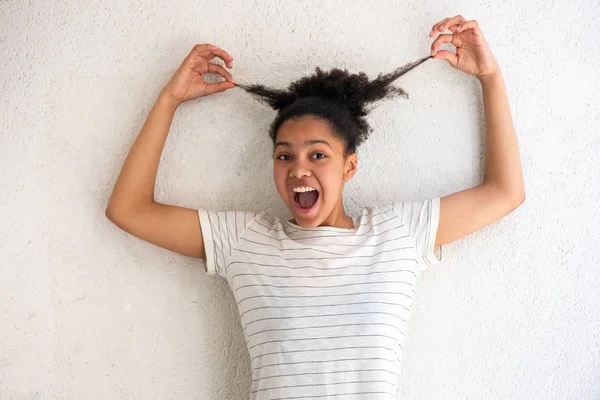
point(303, 189)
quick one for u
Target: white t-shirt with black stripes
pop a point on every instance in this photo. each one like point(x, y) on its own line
point(324, 310)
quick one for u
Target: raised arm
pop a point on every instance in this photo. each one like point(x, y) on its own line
point(131, 206)
point(502, 189)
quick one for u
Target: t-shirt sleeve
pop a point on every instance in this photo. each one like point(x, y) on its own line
point(422, 218)
point(221, 232)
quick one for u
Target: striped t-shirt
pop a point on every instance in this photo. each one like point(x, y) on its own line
point(324, 310)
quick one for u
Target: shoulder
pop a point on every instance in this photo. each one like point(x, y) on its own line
point(230, 222)
point(413, 208)
point(403, 212)
point(270, 221)
point(377, 217)
point(380, 212)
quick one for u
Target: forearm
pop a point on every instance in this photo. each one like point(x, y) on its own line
point(135, 184)
point(502, 158)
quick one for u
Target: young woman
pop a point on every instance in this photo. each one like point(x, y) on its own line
point(325, 298)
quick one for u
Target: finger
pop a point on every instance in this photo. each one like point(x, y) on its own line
point(209, 51)
point(222, 54)
point(451, 21)
point(217, 69)
point(202, 49)
point(205, 46)
point(436, 27)
point(448, 56)
point(469, 25)
point(441, 39)
point(454, 28)
point(218, 87)
point(445, 23)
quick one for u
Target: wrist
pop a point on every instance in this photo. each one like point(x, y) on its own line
point(490, 78)
point(496, 74)
point(167, 98)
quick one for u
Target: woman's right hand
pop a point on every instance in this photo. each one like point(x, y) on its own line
point(187, 82)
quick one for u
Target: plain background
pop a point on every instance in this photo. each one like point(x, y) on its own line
point(90, 312)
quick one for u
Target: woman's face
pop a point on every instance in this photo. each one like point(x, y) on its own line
point(307, 153)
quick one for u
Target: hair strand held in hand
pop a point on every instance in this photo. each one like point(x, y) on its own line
point(336, 96)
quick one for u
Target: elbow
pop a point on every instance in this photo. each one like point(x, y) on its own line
point(116, 208)
point(515, 195)
point(119, 213)
point(110, 213)
point(518, 199)
point(512, 196)
point(113, 212)
point(115, 216)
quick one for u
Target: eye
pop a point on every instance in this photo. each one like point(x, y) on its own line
point(285, 155)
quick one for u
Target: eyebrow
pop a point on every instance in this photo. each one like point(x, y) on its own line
point(306, 143)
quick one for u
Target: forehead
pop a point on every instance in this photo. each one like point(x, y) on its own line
point(298, 131)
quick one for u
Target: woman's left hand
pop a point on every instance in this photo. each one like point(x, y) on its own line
point(473, 55)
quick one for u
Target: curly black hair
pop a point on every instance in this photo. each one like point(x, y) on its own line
point(336, 96)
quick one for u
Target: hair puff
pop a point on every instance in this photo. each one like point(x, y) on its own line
point(337, 96)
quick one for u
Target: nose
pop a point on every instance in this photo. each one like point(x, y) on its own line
point(299, 169)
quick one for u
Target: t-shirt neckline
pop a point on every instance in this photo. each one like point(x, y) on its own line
point(326, 228)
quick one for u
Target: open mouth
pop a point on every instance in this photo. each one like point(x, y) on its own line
point(306, 201)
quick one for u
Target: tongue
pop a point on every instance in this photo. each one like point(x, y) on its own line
point(307, 199)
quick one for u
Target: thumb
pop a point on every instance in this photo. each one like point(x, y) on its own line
point(448, 56)
point(218, 87)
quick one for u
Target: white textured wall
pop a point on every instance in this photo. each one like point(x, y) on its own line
point(90, 312)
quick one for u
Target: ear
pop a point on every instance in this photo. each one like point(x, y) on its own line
point(350, 166)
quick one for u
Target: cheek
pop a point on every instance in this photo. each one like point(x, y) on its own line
point(330, 183)
point(279, 180)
